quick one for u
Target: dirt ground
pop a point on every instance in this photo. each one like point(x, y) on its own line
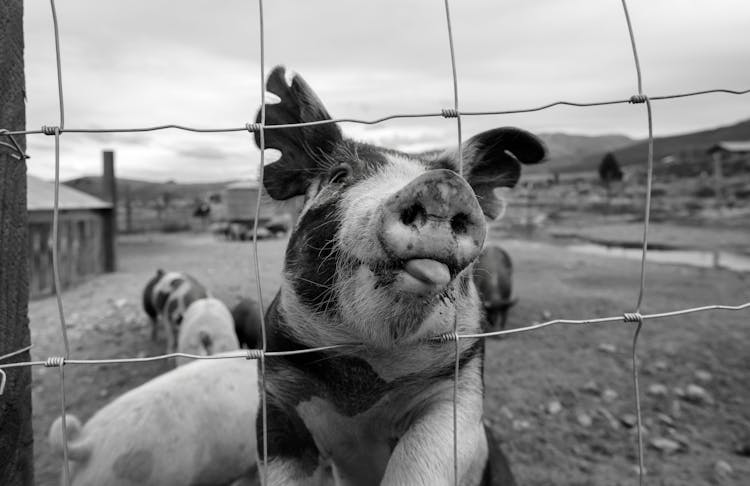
point(561, 397)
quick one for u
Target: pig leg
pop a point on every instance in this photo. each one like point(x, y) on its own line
point(424, 454)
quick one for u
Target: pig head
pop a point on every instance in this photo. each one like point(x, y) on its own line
point(384, 237)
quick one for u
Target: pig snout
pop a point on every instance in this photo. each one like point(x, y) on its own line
point(435, 226)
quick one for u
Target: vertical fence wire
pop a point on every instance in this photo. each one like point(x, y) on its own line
point(646, 217)
point(56, 242)
point(457, 342)
point(261, 307)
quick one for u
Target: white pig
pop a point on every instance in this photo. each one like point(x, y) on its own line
point(207, 328)
point(192, 425)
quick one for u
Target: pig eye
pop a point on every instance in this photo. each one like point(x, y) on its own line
point(340, 173)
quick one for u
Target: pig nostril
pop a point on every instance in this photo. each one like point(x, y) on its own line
point(412, 214)
point(460, 223)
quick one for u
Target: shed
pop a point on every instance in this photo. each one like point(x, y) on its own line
point(83, 241)
point(735, 147)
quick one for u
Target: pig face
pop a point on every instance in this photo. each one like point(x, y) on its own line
point(381, 250)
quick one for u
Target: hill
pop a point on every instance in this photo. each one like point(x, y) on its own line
point(568, 150)
point(692, 146)
point(145, 190)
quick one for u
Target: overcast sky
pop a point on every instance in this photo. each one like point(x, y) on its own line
point(196, 62)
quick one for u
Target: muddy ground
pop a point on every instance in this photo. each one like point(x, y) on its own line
point(561, 397)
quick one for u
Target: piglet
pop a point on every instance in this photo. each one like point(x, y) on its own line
point(493, 276)
point(166, 297)
point(207, 328)
point(192, 425)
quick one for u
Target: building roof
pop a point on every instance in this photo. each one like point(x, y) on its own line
point(40, 196)
point(732, 146)
point(245, 184)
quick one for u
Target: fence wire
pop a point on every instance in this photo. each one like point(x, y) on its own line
point(260, 127)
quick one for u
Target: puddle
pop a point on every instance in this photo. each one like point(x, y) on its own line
point(696, 258)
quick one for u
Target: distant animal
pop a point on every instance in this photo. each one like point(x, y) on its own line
point(246, 315)
point(192, 425)
point(207, 328)
point(381, 257)
point(493, 277)
point(166, 297)
point(148, 302)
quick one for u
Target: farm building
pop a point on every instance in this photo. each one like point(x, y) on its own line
point(738, 148)
point(86, 245)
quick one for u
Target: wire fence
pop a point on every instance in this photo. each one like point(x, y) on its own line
point(261, 354)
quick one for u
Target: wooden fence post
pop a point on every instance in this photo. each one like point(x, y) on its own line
point(109, 192)
point(16, 435)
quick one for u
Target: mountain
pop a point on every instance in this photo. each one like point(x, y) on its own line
point(694, 145)
point(569, 150)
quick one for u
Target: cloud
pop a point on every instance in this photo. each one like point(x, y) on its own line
point(152, 62)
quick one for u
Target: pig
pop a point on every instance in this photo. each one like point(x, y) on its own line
point(379, 263)
point(192, 425)
point(148, 302)
point(166, 297)
point(246, 315)
point(493, 277)
point(207, 328)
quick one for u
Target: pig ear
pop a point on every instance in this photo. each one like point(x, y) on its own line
point(493, 159)
point(301, 147)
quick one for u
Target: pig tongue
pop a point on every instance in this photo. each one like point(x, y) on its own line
point(429, 276)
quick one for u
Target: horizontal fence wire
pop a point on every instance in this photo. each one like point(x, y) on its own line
point(436, 339)
point(260, 127)
point(445, 113)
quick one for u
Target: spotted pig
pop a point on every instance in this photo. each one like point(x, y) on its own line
point(166, 297)
point(380, 257)
point(192, 425)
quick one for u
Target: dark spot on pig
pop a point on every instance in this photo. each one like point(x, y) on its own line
point(172, 308)
point(287, 436)
point(312, 255)
point(161, 299)
point(410, 246)
point(135, 466)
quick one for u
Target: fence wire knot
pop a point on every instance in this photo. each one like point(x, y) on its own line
point(50, 130)
point(639, 98)
point(632, 317)
point(446, 337)
point(19, 153)
point(254, 354)
point(449, 113)
point(54, 361)
point(253, 127)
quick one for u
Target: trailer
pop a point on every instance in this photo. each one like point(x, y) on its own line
point(241, 200)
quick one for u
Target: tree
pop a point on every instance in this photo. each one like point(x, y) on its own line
point(609, 170)
point(16, 436)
